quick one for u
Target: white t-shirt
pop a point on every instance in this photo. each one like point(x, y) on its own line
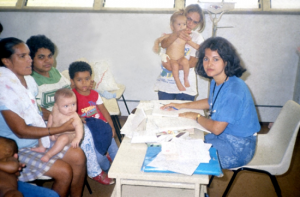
point(165, 81)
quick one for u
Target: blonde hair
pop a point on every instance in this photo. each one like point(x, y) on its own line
point(196, 8)
point(177, 14)
point(63, 92)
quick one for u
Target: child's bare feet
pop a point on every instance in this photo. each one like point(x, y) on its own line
point(39, 149)
point(186, 83)
point(45, 158)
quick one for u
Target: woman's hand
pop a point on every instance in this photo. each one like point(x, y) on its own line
point(171, 106)
point(190, 115)
point(68, 126)
point(184, 34)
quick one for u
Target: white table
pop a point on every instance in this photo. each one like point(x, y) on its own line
point(126, 169)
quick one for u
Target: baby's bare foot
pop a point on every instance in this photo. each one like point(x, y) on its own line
point(39, 149)
point(180, 87)
point(186, 83)
point(45, 158)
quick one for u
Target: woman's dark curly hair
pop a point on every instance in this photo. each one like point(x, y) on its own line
point(79, 66)
point(226, 52)
point(39, 41)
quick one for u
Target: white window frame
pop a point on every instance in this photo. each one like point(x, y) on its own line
point(179, 4)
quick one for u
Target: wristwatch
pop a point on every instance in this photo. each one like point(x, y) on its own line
point(198, 116)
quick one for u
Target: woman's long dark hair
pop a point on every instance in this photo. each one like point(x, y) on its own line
point(226, 52)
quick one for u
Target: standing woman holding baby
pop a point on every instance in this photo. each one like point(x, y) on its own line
point(20, 120)
point(165, 83)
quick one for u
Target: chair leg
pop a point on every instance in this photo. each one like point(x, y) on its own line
point(272, 177)
point(125, 104)
point(88, 186)
point(118, 122)
point(275, 184)
point(118, 132)
point(235, 172)
point(210, 180)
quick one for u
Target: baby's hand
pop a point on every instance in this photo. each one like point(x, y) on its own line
point(75, 143)
point(53, 137)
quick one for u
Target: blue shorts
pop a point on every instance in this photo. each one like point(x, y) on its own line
point(233, 151)
point(29, 190)
point(181, 96)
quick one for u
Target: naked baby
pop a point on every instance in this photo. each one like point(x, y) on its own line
point(175, 52)
point(63, 110)
point(9, 166)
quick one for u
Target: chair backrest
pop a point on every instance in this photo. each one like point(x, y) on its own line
point(275, 149)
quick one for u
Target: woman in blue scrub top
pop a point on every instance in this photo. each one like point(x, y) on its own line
point(232, 120)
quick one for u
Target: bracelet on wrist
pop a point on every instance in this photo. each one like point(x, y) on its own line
point(198, 116)
point(49, 131)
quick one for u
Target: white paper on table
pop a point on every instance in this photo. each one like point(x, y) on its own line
point(172, 123)
point(146, 105)
point(135, 122)
point(190, 153)
point(144, 137)
point(138, 118)
point(173, 113)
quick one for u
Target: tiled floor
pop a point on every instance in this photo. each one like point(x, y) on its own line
point(247, 184)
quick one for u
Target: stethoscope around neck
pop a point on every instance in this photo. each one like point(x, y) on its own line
point(211, 105)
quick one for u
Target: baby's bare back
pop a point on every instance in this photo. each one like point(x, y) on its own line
point(176, 50)
point(8, 182)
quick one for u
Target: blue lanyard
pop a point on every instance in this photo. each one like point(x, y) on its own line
point(212, 106)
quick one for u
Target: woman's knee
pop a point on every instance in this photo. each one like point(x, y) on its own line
point(60, 171)
point(75, 156)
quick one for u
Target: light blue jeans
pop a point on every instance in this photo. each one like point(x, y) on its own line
point(233, 151)
point(88, 147)
point(102, 159)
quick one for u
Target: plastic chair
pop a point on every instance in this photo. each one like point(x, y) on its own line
point(274, 150)
point(120, 93)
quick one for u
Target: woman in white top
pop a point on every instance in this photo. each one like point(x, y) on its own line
point(165, 83)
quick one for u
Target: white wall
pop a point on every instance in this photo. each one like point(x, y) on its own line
point(266, 43)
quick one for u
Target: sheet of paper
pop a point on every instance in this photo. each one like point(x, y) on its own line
point(190, 153)
point(138, 118)
point(173, 113)
point(172, 123)
point(142, 127)
point(134, 123)
point(144, 137)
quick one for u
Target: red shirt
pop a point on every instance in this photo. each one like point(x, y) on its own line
point(86, 105)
